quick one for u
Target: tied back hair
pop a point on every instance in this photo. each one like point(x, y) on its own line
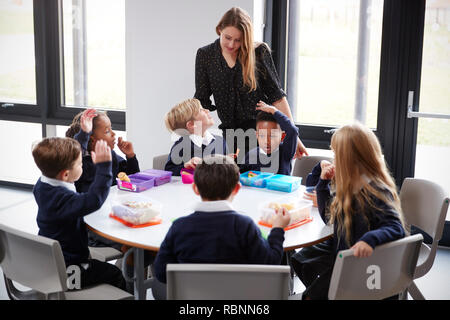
point(358, 159)
point(75, 126)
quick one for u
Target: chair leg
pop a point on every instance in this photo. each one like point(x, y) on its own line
point(16, 294)
point(403, 295)
point(415, 292)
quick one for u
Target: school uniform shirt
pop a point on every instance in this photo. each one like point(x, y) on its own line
point(187, 147)
point(119, 164)
point(280, 160)
point(374, 226)
point(234, 103)
point(216, 233)
point(61, 210)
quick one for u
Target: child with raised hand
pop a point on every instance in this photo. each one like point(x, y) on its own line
point(274, 152)
point(61, 208)
point(215, 232)
point(358, 196)
point(87, 128)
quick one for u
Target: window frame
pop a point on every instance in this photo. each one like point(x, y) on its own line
point(48, 109)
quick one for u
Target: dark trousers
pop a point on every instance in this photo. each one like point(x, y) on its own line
point(314, 266)
point(99, 272)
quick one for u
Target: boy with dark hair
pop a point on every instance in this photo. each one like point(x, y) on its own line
point(215, 232)
point(61, 208)
point(274, 154)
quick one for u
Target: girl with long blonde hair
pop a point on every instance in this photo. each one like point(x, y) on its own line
point(356, 194)
point(238, 73)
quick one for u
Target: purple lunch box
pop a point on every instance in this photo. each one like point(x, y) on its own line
point(138, 183)
point(161, 176)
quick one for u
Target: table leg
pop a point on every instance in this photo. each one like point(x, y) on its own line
point(140, 291)
point(287, 261)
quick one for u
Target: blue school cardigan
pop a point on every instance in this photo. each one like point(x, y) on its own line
point(61, 211)
point(255, 160)
point(217, 237)
point(184, 143)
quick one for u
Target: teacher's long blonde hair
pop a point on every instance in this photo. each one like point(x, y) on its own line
point(239, 18)
point(358, 159)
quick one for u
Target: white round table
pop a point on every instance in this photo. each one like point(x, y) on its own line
point(178, 200)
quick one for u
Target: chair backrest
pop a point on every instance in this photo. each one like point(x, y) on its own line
point(160, 161)
point(227, 282)
point(424, 205)
point(33, 261)
point(304, 166)
point(387, 272)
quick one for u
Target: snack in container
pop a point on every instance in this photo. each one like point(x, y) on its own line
point(299, 210)
point(123, 177)
point(134, 210)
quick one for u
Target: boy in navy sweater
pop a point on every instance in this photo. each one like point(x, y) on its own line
point(191, 122)
point(272, 155)
point(215, 232)
point(61, 208)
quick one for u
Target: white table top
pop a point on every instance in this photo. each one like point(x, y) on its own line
point(178, 199)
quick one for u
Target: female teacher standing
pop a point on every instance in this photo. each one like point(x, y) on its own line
point(239, 74)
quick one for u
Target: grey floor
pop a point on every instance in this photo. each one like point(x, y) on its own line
point(434, 285)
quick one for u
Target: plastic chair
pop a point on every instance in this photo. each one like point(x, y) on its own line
point(424, 205)
point(387, 272)
point(227, 281)
point(37, 262)
point(105, 254)
point(304, 166)
point(160, 161)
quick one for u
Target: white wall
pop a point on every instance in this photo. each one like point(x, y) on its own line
point(162, 38)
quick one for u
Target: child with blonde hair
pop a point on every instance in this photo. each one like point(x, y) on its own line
point(359, 197)
point(191, 122)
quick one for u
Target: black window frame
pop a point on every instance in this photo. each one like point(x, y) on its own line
point(48, 109)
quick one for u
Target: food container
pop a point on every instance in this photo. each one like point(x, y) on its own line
point(137, 183)
point(281, 182)
point(256, 179)
point(187, 175)
point(299, 209)
point(161, 176)
point(136, 211)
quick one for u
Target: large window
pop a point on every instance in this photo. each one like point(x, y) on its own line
point(335, 66)
point(17, 63)
point(57, 57)
point(433, 136)
point(94, 53)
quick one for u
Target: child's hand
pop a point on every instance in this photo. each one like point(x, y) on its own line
point(262, 106)
point(234, 155)
point(328, 170)
point(312, 197)
point(362, 250)
point(282, 218)
point(102, 152)
point(191, 164)
point(126, 147)
point(86, 120)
